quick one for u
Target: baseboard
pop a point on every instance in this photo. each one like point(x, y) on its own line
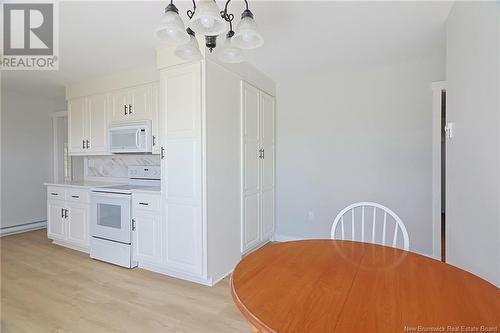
point(22, 228)
point(179, 275)
point(72, 246)
point(222, 277)
point(287, 238)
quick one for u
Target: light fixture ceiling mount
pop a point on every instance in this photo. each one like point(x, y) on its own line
point(206, 19)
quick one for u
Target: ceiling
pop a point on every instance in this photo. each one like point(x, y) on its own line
point(97, 38)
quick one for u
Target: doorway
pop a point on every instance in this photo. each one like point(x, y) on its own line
point(439, 137)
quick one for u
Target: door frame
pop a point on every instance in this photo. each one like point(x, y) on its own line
point(55, 138)
point(437, 89)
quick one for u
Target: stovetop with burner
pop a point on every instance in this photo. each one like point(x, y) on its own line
point(140, 178)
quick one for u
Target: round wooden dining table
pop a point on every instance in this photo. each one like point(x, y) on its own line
point(345, 286)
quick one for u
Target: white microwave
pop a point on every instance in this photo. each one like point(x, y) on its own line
point(130, 137)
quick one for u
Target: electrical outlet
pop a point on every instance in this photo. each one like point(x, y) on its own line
point(450, 130)
point(310, 216)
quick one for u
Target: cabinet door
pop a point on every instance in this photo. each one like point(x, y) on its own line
point(155, 118)
point(140, 103)
point(118, 103)
point(180, 90)
point(76, 121)
point(250, 178)
point(78, 224)
point(97, 124)
point(55, 220)
point(147, 237)
point(267, 112)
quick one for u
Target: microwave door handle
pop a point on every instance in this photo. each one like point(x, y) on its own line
point(137, 133)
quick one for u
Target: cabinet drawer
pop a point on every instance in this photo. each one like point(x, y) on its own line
point(57, 193)
point(149, 202)
point(78, 195)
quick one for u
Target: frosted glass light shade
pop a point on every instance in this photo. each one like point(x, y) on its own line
point(229, 53)
point(207, 19)
point(189, 51)
point(247, 35)
point(171, 29)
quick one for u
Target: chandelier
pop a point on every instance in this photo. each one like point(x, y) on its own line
point(206, 19)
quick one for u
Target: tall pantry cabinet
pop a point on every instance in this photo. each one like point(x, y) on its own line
point(205, 164)
point(258, 167)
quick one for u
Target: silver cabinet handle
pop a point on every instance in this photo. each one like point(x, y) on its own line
point(154, 140)
point(162, 154)
point(88, 144)
point(66, 211)
point(263, 153)
point(133, 224)
point(125, 108)
point(143, 203)
point(54, 193)
point(130, 109)
point(83, 144)
point(75, 196)
point(62, 212)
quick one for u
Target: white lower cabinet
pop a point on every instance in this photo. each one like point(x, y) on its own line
point(78, 223)
point(68, 217)
point(147, 229)
point(55, 220)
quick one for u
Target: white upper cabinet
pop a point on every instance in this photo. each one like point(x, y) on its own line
point(97, 124)
point(88, 123)
point(132, 104)
point(119, 101)
point(76, 122)
point(90, 117)
point(140, 103)
point(258, 167)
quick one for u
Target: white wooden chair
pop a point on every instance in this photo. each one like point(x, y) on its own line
point(369, 208)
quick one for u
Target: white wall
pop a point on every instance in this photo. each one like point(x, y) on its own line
point(473, 155)
point(26, 155)
point(362, 135)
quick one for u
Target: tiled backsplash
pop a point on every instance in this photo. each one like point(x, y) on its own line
point(115, 166)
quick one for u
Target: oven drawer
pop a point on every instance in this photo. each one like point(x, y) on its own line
point(57, 193)
point(78, 195)
point(150, 202)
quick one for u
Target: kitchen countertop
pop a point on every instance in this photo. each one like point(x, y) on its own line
point(93, 184)
point(83, 184)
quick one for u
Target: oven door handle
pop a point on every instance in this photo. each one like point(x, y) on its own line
point(106, 194)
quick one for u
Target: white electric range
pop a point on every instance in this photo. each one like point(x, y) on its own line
point(111, 216)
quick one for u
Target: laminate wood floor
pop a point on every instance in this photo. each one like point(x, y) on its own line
point(48, 288)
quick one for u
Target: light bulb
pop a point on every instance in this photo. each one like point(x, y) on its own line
point(228, 52)
point(207, 22)
point(207, 19)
